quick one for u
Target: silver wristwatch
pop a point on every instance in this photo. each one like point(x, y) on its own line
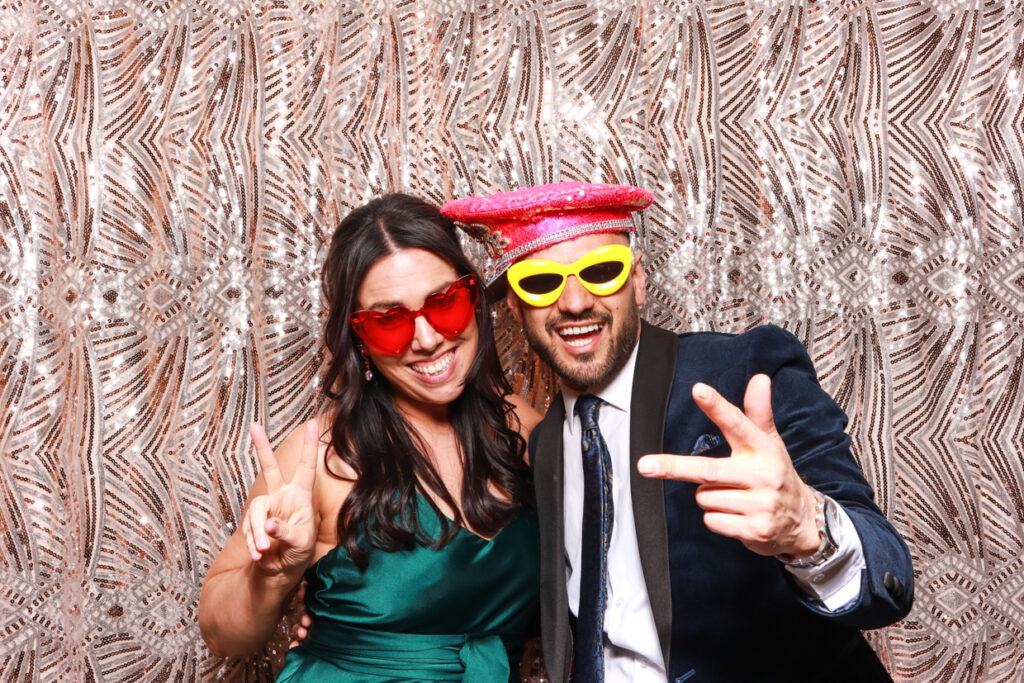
point(827, 517)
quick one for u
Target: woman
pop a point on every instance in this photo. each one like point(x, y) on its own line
point(411, 519)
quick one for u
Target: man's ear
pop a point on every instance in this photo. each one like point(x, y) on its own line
point(512, 301)
point(639, 279)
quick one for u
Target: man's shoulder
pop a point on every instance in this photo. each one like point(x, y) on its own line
point(550, 425)
point(706, 356)
point(727, 342)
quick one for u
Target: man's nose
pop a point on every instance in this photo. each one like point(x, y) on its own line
point(575, 298)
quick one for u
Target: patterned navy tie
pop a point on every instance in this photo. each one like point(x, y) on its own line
point(597, 532)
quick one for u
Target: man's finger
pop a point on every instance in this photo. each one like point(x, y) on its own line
point(305, 474)
point(757, 403)
point(698, 469)
point(723, 499)
point(736, 427)
point(299, 634)
point(268, 463)
point(727, 524)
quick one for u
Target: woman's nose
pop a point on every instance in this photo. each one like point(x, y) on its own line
point(425, 338)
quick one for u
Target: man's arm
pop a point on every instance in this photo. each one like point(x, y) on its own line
point(787, 442)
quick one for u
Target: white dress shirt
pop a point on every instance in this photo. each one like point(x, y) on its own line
point(632, 650)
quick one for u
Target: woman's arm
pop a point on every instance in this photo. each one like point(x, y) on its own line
point(262, 563)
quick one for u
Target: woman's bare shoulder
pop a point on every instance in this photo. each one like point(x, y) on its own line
point(334, 481)
point(526, 414)
point(289, 451)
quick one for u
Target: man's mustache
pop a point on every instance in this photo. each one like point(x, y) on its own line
point(586, 316)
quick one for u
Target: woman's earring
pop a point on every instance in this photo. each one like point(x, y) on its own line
point(366, 364)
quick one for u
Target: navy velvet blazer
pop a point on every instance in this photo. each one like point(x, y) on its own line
point(724, 613)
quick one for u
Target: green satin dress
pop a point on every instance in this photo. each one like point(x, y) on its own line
point(460, 613)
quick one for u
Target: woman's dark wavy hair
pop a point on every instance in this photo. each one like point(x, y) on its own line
point(370, 435)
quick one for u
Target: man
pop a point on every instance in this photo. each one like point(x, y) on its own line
point(682, 538)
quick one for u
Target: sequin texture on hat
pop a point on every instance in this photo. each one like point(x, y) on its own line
point(514, 224)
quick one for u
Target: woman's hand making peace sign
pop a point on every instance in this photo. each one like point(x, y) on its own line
point(280, 525)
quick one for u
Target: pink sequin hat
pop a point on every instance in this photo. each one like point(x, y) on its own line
point(514, 224)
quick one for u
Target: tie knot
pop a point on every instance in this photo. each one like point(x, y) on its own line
point(587, 405)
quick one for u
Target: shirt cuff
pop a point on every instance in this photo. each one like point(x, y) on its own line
point(835, 582)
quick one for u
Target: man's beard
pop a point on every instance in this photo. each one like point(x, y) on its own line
point(577, 371)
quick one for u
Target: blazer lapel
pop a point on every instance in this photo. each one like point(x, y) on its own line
point(546, 452)
point(652, 386)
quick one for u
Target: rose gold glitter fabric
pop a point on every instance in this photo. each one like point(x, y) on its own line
point(170, 171)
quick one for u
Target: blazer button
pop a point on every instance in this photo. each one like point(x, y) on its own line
point(894, 586)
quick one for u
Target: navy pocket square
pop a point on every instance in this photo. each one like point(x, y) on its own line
point(705, 442)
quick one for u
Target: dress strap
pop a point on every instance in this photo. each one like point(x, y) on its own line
point(464, 658)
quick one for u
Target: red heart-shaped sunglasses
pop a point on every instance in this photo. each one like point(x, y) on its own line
point(448, 312)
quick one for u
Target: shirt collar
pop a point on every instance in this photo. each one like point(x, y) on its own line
point(617, 393)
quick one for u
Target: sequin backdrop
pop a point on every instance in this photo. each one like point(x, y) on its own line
point(169, 172)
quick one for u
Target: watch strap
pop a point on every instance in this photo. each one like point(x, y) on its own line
point(827, 548)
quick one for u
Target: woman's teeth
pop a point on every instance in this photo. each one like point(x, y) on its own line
point(436, 367)
point(574, 336)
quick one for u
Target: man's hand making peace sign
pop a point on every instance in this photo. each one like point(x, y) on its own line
point(754, 495)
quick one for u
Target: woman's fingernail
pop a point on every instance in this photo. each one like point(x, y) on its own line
point(262, 543)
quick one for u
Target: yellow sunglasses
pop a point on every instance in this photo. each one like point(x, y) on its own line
point(601, 271)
